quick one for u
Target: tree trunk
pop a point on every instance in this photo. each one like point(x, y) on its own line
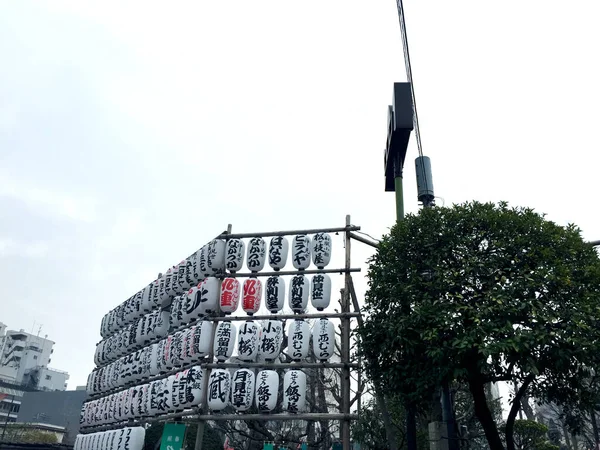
point(512, 415)
point(310, 425)
point(567, 437)
point(527, 409)
point(595, 428)
point(483, 413)
point(322, 407)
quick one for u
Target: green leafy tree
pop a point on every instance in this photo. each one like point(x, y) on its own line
point(369, 429)
point(479, 293)
point(531, 435)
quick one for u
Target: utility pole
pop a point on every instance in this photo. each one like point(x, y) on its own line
point(400, 124)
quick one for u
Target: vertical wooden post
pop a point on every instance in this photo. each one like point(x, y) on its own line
point(345, 330)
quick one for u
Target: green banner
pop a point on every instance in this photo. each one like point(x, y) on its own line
point(173, 436)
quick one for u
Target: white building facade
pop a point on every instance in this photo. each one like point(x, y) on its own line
point(24, 359)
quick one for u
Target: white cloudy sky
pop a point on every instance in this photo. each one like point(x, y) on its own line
point(133, 132)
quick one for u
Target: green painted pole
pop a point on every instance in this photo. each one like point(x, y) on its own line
point(399, 198)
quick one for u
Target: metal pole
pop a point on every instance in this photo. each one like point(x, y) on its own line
point(287, 233)
point(411, 414)
point(12, 400)
point(448, 417)
point(345, 331)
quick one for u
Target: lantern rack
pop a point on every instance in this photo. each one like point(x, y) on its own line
point(195, 415)
point(348, 297)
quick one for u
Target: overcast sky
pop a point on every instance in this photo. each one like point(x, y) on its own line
point(133, 132)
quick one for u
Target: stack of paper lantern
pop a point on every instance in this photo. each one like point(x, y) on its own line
point(155, 344)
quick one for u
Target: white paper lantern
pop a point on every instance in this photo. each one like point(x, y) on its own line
point(225, 337)
point(298, 296)
point(323, 339)
point(202, 340)
point(257, 252)
point(163, 292)
point(126, 404)
point(191, 307)
point(208, 296)
point(230, 295)
point(294, 391)
point(182, 277)
point(176, 315)
point(169, 291)
point(176, 349)
point(267, 389)
point(155, 397)
point(136, 438)
point(278, 252)
point(301, 251)
point(203, 262)
point(215, 256)
point(160, 354)
point(137, 401)
point(234, 257)
point(248, 339)
point(182, 378)
point(176, 389)
point(219, 385)
point(189, 273)
point(168, 386)
point(196, 272)
point(252, 294)
point(194, 388)
point(275, 294)
point(154, 360)
point(298, 339)
point(271, 339)
point(154, 295)
point(321, 250)
point(161, 324)
point(175, 286)
point(242, 389)
point(145, 412)
point(321, 291)
point(167, 348)
point(187, 346)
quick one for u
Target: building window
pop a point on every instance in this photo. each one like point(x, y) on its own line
point(34, 356)
point(48, 377)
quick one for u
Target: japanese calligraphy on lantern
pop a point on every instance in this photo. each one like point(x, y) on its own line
point(257, 251)
point(201, 340)
point(271, 339)
point(298, 339)
point(323, 339)
point(252, 295)
point(230, 295)
point(299, 289)
point(219, 383)
point(267, 388)
point(278, 252)
point(215, 256)
point(242, 389)
point(208, 295)
point(248, 341)
point(225, 335)
point(294, 391)
point(234, 255)
point(301, 251)
point(321, 291)
point(275, 294)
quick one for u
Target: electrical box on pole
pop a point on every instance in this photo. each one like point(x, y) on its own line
point(424, 180)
